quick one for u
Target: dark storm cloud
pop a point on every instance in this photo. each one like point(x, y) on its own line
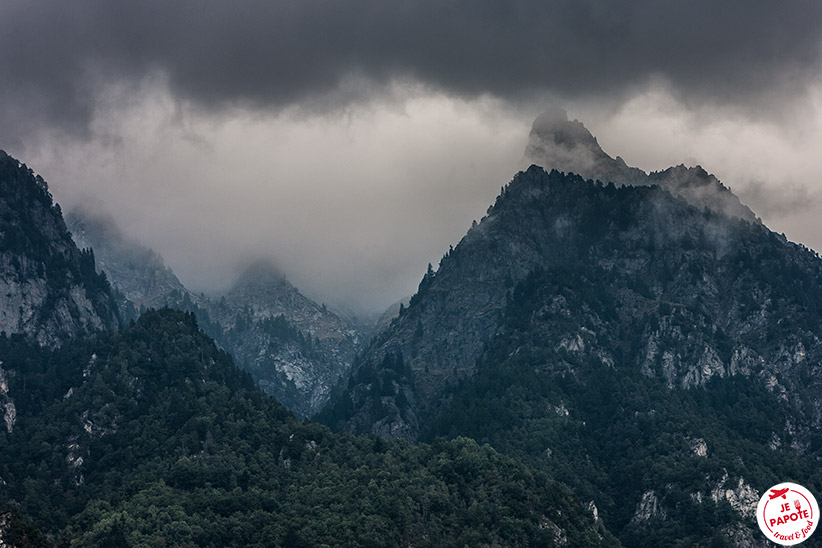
point(55, 56)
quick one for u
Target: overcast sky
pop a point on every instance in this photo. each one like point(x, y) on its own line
point(352, 142)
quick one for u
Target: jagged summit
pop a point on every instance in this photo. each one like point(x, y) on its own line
point(296, 349)
point(558, 143)
point(605, 328)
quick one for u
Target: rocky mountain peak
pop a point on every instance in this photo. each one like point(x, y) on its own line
point(558, 143)
point(553, 124)
point(566, 145)
point(295, 348)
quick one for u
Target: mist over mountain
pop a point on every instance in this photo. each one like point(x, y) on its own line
point(251, 330)
point(100, 422)
point(647, 342)
point(297, 350)
point(558, 143)
point(138, 275)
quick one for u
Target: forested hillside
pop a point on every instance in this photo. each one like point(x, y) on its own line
point(152, 437)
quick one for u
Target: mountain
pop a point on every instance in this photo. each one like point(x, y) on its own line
point(51, 292)
point(139, 276)
point(297, 350)
point(660, 357)
point(557, 143)
point(151, 437)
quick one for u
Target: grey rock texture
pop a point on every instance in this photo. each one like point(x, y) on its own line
point(649, 507)
point(138, 274)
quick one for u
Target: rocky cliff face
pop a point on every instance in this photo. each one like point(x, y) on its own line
point(557, 143)
point(50, 290)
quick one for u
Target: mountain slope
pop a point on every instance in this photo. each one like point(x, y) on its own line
point(725, 273)
point(51, 292)
point(151, 436)
point(299, 351)
point(138, 275)
point(599, 331)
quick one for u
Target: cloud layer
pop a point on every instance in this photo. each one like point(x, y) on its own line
point(56, 58)
point(354, 141)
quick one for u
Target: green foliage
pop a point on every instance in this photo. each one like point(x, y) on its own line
point(179, 449)
point(17, 532)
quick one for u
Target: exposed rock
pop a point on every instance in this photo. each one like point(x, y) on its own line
point(297, 350)
point(740, 536)
point(694, 296)
point(9, 415)
point(775, 442)
point(559, 536)
point(742, 497)
point(592, 507)
point(649, 507)
point(51, 292)
point(699, 447)
point(708, 365)
point(7, 404)
point(4, 381)
point(5, 523)
point(137, 273)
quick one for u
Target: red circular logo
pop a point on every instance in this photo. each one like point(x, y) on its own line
point(787, 513)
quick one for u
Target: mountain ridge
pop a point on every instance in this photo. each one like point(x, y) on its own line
point(555, 142)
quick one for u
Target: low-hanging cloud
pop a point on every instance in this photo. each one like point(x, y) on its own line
point(56, 58)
